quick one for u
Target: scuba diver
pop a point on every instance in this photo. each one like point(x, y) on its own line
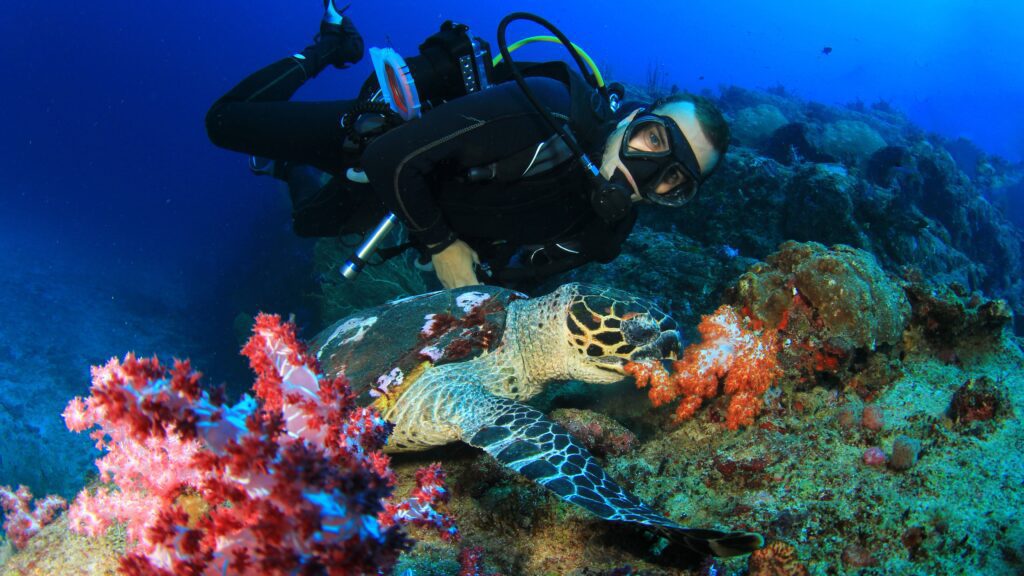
point(492, 180)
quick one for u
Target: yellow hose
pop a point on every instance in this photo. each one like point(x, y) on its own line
point(552, 39)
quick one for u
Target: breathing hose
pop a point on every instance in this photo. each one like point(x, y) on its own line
point(610, 201)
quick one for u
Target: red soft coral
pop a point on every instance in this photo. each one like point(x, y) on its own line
point(732, 359)
point(420, 508)
point(294, 483)
point(22, 524)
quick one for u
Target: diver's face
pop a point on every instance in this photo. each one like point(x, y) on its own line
point(654, 139)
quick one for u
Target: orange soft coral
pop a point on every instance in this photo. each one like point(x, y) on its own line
point(775, 559)
point(732, 354)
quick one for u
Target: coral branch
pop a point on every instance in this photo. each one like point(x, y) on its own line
point(420, 508)
point(293, 481)
point(22, 524)
point(732, 359)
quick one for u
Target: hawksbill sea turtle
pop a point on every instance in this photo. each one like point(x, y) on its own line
point(455, 365)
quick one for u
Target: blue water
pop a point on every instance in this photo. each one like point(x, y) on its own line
point(123, 228)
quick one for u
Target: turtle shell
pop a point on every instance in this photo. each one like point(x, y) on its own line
point(383, 349)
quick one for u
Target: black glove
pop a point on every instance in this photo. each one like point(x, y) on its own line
point(340, 36)
point(336, 44)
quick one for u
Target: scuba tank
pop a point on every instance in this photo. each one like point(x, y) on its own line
point(451, 64)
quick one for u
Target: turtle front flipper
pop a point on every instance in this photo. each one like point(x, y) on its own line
point(526, 441)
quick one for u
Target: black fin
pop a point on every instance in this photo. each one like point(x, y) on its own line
point(526, 441)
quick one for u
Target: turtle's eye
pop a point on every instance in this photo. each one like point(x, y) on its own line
point(640, 330)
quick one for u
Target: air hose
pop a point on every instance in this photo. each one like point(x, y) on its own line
point(552, 39)
point(610, 201)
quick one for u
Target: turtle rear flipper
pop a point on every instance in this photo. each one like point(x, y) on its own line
point(526, 441)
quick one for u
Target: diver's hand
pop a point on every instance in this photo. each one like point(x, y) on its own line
point(454, 265)
point(340, 34)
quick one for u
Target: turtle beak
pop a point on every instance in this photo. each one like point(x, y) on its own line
point(670, 345)
point(612, 364)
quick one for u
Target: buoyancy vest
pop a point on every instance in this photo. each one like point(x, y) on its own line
point(529, 228)
point(521, 226)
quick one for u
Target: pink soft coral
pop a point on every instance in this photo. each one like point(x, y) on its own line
point(22, 524)
point(732, 358)
point(293, 483)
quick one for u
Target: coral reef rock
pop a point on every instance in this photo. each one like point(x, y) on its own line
point(754, 124)
point(852, 301)
point(852, 141)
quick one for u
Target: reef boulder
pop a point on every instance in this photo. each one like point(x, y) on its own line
point(949, 317)
point(821, 205)
point(755, 124)
point(793, 144)
point(841, 293)
point(851, 141)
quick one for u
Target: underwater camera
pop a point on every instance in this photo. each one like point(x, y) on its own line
point(450, 64)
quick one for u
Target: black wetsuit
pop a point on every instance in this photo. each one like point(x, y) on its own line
point(467, 169)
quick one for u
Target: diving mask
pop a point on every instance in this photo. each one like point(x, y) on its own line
point(660, 159)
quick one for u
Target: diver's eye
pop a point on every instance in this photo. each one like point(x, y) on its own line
point(654, 139)
point(657, 138)
point(674, 177)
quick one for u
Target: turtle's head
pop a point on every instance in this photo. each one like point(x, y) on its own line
point(608, 328)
